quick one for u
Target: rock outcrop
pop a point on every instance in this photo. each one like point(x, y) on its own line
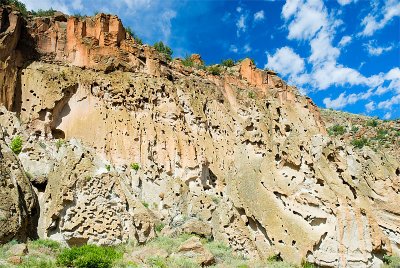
point(242, 154)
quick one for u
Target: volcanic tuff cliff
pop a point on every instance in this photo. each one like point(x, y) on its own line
point(242, 157)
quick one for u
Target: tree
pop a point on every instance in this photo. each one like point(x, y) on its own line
point(164, 49)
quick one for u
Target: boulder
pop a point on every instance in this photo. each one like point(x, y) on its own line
point(194, 249)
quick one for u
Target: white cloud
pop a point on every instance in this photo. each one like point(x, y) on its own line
point(374, 50)
point(241, 24)
point(388, 104)
point(306, 18)
point(286, 62)
point(259, 16)
point(344, 100)
point(345, 2)
point(387, 115)
point(247, 48)
point(239, 9)
point(370, 106)
point(345, 41)
point(379, 17)
point(233, 49)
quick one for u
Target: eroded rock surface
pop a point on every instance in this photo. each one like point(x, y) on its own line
point(242, 155)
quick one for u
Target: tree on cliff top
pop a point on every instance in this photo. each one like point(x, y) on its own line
point(167, 51)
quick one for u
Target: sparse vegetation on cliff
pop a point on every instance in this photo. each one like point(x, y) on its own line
point(134, 35)
point(214, 70)
point(17, 4)
point(43, 13)
point(228, 63)
point(164, 49)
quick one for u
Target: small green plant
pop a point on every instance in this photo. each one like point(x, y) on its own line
point(187, 61)
point(145, 204)
point(336, 130)
point(359, 143)
point(372, 123)
point(391, 261)
point(214, 70)
point(354, 129)
point(228, 63)
point(164, 49)
point(134, 35)
point(59, 143)
point(28, 175)
point(381, 134)
point(274, 258)
point(135, 166)
point(306, 264)
point(88, 256)
point(159, 227)
point(16, 145)
point(108, 167)
point(251, 95)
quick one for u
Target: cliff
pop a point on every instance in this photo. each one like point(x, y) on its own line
point(117, 139)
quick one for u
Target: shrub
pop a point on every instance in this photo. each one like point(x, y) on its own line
point(108, 167)
point(251, 95)
point(354, 129)
point(164, 49)
point(336, 130)
point(43, 13)
point(135, 166)
point(391, 261)
point(228, 63)
point(17, 4)
point(159, 227)
point(88, 256)
point(134, 36)
point(16, 145)
point(157, 262)
point(214, 70)
point(145, 204)
point(59, 143)
point(372, 123)
point(359, 143)
point(187, 61)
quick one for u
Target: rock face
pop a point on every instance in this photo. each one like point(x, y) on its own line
point(19, 210)
point(242, 154)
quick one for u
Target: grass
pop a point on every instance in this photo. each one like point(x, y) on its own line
point(214, 70)
point(336, 130)
point(390, 261)
point(359, 143)
point(135, 166)
point(228, 63)
point(372, 123)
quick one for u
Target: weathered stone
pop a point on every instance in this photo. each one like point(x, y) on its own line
point(194, 249)
point(18, 250)
point(15, 260)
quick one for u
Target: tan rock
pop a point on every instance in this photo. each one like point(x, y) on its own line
point(194, 249)
point(18, 250)
point(15, 260)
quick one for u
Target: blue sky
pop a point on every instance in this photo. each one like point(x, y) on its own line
point(344, 54)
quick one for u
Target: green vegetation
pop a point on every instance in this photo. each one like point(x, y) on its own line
point(306, 264)
point(187, 61)
point(59, 143)
point(135, 166)
point(159, 227)
point(46, 243)
point(359, 143)
point(16, 145)
point(336, 130)
point(43, 13)
point(17, 4)
point(164, 49)
point(372, 123)
point(354, 129)
point(88, 256)
point(134, 35)
point(251, 95)
point(145, 204)
point(108, 167)
point(214, 70)
point(228, 63)
point(79, 16)
point(391, 261)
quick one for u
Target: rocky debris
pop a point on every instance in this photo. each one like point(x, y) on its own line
point(18, 250)
point(194, 249)
point(242, 152)
point(142, 255)
point(15, 260)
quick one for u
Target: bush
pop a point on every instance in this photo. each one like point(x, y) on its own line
point(251, 95)
point(214, 70)
point(88, 256)
point(372, 123)
point(159, 227)
point(164, 49)
point(17, 4)
point(391, 261)
point(108, 167)
point(359, 143)
point(354, 129)
point(16, 145)
point(228, 63)
point(134, 36)
point(336, 130)
point(43, 13)
point(187, 61)
point(135, 166)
